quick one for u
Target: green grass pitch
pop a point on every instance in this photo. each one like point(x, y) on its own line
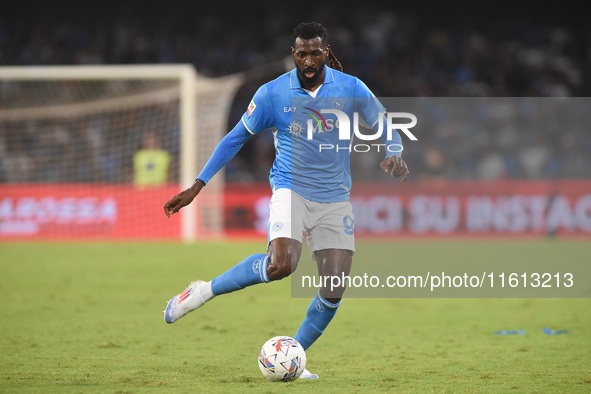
point(88, 318)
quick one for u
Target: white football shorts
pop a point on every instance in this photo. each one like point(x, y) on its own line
point(328, 225)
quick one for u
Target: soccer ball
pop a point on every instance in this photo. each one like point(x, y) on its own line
point(282, 359)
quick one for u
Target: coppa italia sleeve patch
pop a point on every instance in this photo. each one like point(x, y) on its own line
point(251, 108)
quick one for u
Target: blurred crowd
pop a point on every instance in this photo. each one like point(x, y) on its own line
point(393, 51)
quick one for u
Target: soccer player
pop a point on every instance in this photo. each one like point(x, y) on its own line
point(310, 187)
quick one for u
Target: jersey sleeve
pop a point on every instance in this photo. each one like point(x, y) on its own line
point(226, 150)
point(259, 113)
point(372, 111)
point(369, 107)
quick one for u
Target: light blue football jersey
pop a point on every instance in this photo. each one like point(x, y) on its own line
point(304, 162)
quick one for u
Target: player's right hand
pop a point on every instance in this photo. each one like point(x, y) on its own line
point(183, 199)
point(396, 167)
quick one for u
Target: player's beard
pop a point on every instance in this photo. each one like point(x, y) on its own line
point(309, 80)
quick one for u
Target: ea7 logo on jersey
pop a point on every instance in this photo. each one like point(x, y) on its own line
point(251, 108)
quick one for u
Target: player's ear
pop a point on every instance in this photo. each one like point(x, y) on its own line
point(292, 52)
point(326, 49)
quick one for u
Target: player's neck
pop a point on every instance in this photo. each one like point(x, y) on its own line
point(315, 85)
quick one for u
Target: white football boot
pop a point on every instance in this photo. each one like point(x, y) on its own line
point(195, 295)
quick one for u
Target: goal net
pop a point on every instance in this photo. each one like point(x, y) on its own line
point(96, 151)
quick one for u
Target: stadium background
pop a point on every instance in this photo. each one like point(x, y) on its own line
point(423, 49)
point(86, 316)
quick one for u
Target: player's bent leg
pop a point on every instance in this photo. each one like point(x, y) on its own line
point(258, 268)
point(250, 271)
point(284, 254)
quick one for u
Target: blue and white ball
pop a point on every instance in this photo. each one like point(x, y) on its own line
point(282, 358)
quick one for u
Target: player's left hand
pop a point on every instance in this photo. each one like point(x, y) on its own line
point(396, 167)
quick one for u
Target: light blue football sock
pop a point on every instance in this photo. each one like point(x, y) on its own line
point(319, 314)
point(251, 271)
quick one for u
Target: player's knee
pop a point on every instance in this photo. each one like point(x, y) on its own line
point(281, 265)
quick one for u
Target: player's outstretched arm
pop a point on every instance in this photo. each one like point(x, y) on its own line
point(396, 167)
point(183, 199)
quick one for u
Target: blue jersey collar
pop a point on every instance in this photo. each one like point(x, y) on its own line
point(294, 81)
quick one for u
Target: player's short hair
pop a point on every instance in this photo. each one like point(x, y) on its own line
point(308, 31)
